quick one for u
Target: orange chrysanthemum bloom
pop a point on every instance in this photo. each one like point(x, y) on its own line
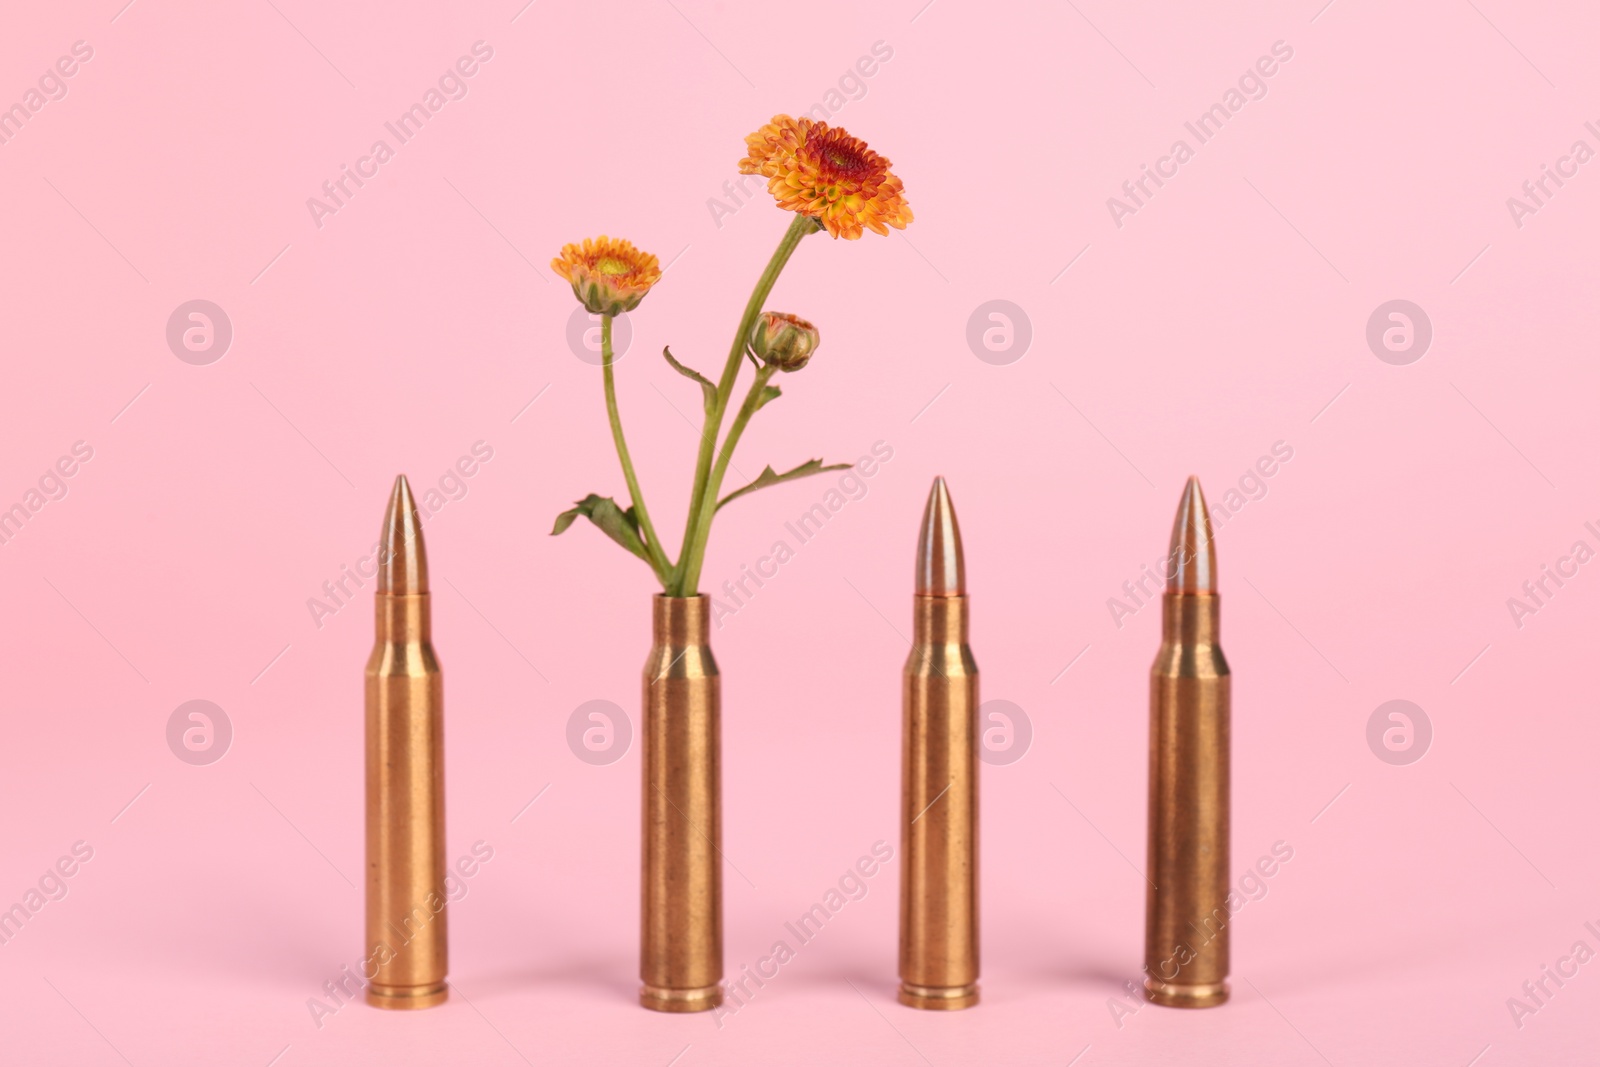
point(826, 174)
point(772, 144)
point(608, 276)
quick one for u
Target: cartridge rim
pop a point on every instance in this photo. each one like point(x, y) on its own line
point(1185, 995)
point(661, 998)
point(938, 998)
point(404, 998)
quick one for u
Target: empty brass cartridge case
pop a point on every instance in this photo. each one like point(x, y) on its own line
point(1186, 914)
point(680, 926)
point(939, 778)
point(406, 923)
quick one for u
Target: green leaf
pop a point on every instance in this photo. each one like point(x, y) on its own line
point(768, 476)
point(769, 393)
point(621, 526)
point(708, 391)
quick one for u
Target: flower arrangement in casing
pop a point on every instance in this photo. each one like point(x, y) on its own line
point(830, 181)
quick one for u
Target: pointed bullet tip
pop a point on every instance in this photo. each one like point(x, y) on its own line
point(402, 560)
point(1192, 556)
point(941, 568)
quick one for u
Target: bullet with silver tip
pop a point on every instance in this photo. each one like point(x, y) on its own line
point(1187, 921)
point(939, 777)
point(407, 937)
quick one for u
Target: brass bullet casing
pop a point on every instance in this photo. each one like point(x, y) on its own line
point(680, 890)
point(939, 778)
point(407, 935)
point(1186, 915)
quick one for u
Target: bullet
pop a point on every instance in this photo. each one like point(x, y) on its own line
point(939, 777)
point(407, 939)
point(1186, 914)
point(680, 893)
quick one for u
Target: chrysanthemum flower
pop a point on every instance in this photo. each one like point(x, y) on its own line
point(783, 341)
point(772, 144)
point(608, 276)
point(826, 174)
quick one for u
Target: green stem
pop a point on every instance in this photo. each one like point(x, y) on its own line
point(658, 559)
point(702, 503)
point(694, 553)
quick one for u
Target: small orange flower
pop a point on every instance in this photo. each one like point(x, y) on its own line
point(608, 276)
point(826, 174)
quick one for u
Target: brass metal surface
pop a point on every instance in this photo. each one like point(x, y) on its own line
point(1191, 555)
point(680, 936)
point(1187, 921)
point(941, 565)
point(939, 778)
point(407, 937)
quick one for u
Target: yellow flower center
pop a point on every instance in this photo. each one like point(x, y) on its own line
point(612, 265)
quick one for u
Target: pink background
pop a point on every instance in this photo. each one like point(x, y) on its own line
point(1227, 314)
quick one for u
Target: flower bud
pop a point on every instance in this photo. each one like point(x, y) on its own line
point(783, 341)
